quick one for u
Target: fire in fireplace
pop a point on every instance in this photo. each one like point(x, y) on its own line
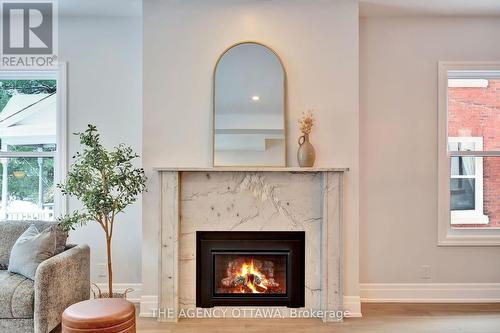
point(250, 268)
point(250, 274)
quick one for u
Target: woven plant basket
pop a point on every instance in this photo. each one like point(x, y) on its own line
point(104, 294)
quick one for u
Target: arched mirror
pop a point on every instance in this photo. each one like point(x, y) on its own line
point(249, 107)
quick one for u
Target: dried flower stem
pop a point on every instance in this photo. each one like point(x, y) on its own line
point(306, 123)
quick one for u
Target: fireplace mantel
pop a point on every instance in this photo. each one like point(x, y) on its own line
point(251, 199)
point(249, 169)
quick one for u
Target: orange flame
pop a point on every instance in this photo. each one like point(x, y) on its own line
point(246, 271)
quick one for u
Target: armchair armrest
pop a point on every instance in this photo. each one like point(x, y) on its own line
point(60, 282)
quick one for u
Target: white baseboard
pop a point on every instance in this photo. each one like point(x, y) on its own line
point(430, 292)
point(134, 296)
point(149, 303)
point(352, 305)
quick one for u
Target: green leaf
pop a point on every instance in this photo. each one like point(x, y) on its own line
point(106, 182)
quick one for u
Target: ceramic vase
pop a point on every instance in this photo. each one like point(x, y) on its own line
point(306, 153)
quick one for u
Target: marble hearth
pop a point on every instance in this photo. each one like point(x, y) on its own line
point(251, 199)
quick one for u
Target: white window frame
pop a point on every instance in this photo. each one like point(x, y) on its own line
point(474, 216)
point(60, 155)
point(447, 235)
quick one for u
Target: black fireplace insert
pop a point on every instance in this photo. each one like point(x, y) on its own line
point(247, 268)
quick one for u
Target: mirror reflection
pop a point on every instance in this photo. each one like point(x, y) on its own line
point(249, 107)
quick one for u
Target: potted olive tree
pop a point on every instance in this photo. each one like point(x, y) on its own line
point(105, 182)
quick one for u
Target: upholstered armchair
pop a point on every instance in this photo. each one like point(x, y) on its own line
point(36, 306)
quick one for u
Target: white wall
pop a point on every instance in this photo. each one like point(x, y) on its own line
point(398, 148)
point(104, 57)
point(318, 43)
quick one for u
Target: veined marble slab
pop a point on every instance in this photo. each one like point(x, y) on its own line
point(243, 200)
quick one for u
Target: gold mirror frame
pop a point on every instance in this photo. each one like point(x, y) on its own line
point(285, 104)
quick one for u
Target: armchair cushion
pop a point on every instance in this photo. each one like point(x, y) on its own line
point(16, 296)
point(11, 230)
point(31, 249)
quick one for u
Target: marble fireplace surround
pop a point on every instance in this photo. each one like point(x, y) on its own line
point(251, 199)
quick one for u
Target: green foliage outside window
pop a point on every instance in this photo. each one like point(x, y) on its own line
point(8, 88)
point(23, 176)
point(23, 172)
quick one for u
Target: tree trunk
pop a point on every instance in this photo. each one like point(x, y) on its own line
point(110, 269)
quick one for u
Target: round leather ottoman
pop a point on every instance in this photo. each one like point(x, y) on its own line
point(104, 315)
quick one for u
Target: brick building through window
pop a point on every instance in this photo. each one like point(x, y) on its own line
point(474, 124)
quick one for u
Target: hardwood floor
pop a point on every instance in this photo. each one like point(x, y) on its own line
point(377, 318)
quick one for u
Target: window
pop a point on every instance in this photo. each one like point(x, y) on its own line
point(32, 144)
point(466, 183)
point(469, 154)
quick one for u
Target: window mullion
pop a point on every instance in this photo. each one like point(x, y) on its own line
point(476, 153)
point(47, 154)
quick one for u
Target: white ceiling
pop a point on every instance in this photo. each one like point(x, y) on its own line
point(100, 7)
point(367, 7)
point(429, 7)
